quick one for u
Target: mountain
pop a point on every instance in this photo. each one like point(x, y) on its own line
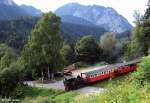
point(16, 32)
point(31, 10)
point(72, 32)
point(104, 17)
point(75, 20)
point(9, 10)
point(7, 2)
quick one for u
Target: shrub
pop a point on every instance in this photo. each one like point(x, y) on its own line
point(127, 92)
point(9, 79)
point(143, 73)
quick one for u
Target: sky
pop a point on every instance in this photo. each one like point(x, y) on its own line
point(124, 7)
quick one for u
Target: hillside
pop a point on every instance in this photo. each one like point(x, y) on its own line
point(10, 10)
point(71, 32)
point(15, 32)
point(75, 20)
point(31, 10)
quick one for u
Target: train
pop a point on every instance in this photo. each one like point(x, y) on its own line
point(99, 74)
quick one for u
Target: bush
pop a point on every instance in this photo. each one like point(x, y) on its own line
point(18, 92)
point(143, 73)
point(127, 92)
point(9, 79)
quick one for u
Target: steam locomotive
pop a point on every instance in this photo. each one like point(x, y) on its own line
point(101, 73)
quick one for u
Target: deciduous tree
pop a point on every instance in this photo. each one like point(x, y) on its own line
point(87, 50)
point(68, 54)
point(43, 48)
point(108, 41)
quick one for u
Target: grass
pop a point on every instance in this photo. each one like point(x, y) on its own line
point(124, 93)
point(35, 92)
point(121, 90)
point(52, 96)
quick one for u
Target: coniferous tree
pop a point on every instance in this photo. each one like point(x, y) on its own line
point(147, 13)
point(140, 43)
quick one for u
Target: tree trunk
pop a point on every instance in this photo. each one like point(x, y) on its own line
point(48, 73)
point(52, 74)
point(42, 77)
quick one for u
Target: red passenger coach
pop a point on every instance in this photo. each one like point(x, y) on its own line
point(110, 71)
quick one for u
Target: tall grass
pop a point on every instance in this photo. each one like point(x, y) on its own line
point(127, 92)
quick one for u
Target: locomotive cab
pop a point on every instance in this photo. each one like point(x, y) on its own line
point(72, 83)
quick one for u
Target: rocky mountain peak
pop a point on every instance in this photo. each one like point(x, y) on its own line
point(7, 2)
point(101, 16)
